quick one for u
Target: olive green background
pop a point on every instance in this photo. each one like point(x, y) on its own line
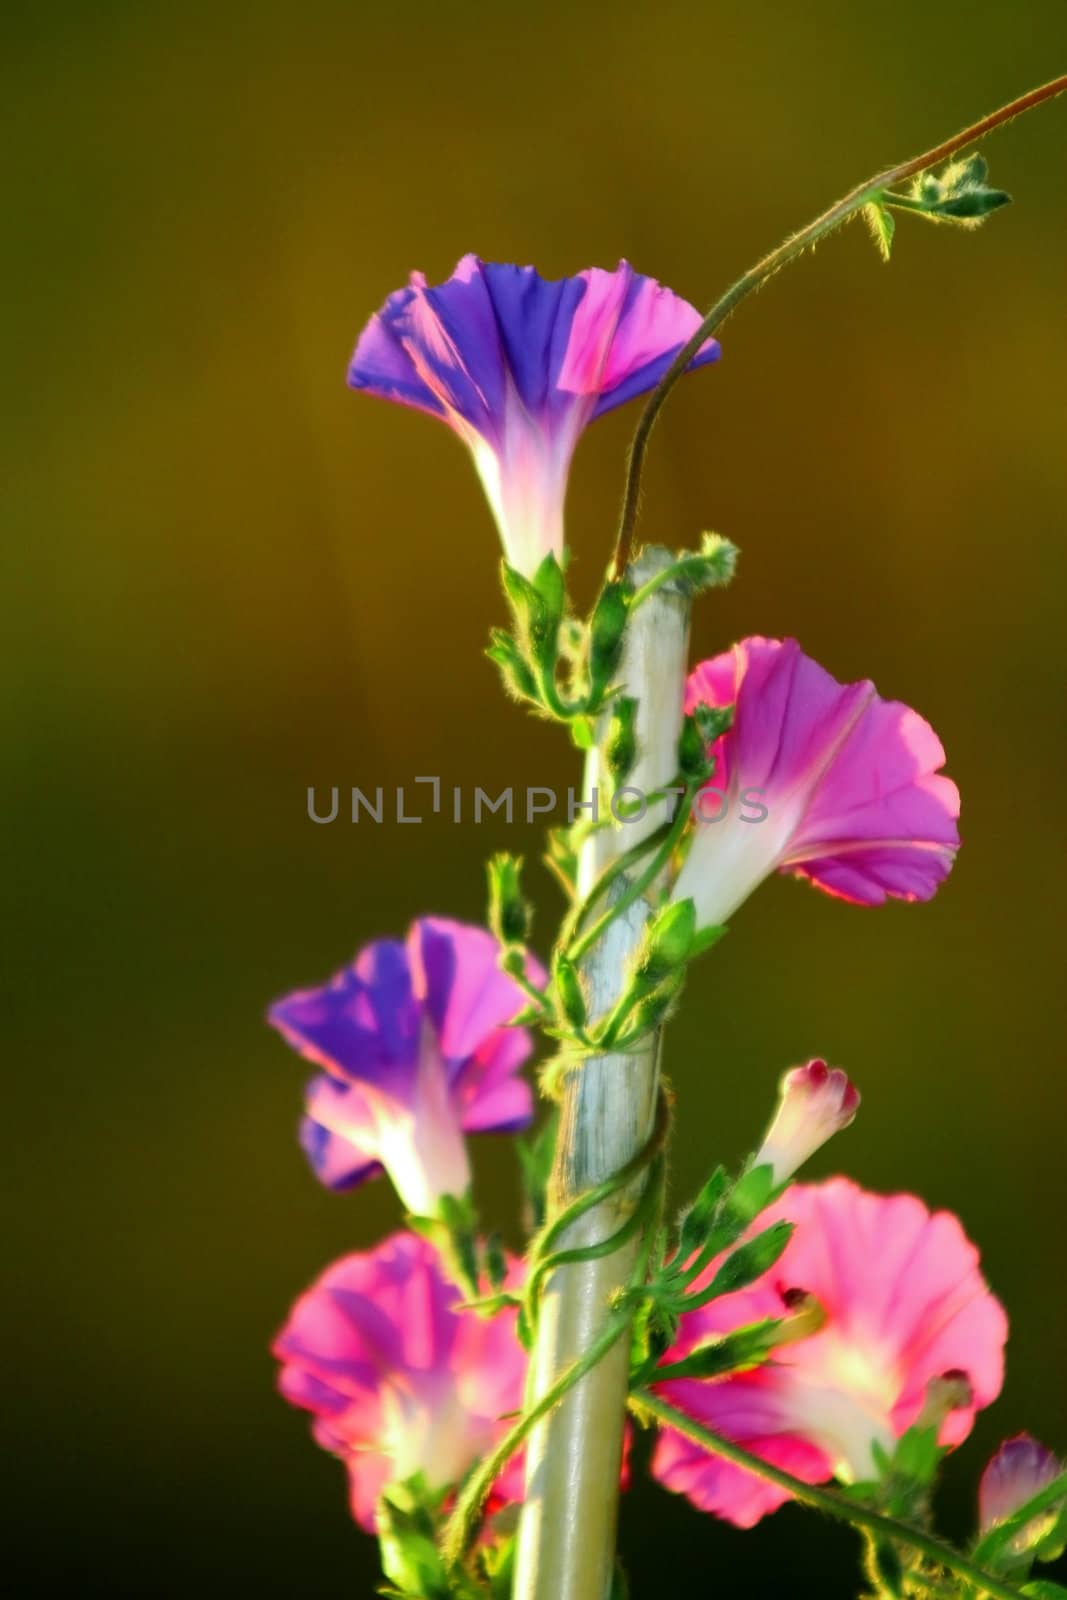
point(230, 578)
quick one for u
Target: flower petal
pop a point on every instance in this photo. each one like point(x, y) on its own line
point(904, 1303)
point(816, 778)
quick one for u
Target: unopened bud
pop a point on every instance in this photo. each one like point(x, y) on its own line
point(815, 1102)
point(1020, 1469)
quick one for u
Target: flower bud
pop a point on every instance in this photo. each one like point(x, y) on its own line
point(1020, 1469)
point(815, 1102)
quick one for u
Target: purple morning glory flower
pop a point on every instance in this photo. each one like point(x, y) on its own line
point(417, 1051)
point(517, 365)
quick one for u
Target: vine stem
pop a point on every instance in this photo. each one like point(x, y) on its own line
point(835, 1505)
point(566, 1540)
point(787, 251)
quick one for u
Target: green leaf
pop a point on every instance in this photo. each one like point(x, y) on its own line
point(711, 568)
point(882, 224)
point(1043, 1589)
point(959, 193)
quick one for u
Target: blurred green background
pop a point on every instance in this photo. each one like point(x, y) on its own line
point(230, 578)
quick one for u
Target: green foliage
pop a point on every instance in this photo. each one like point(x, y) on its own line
point(882, 224)
point(960, 194)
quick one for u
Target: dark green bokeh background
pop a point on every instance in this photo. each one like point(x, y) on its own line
point(231, 578)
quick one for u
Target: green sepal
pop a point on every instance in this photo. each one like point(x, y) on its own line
point(570, 994)
point(882, 224)
point(550, 585)
point(620, 747)
point(607, 627)
point(537, 609)
point(886, 1568)
point(518, 679)
point(697, 1220)
point(496, 1264)
point(739, 1351)
point(746, 1264)
point(406, 1526)
point(692, 750)
point(713, 721)
point(668, 941)
point(510, 913)
point(536, 1154)
point(561, 857)
point(705, 938)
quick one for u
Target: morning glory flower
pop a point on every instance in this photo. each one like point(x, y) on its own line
point(416, 1049)
point(904, 1305)
point(823, 780)
point(398, 1378)
point(518, 365)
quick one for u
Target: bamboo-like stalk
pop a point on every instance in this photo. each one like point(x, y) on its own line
point(566, 1543)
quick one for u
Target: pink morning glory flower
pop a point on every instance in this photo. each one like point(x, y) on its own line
point(517, 365)
point(814, 1103)
point(904, 1304)
point(1020, 1469)
point(398, 1379)
point(417, 1051)
point(823, 780)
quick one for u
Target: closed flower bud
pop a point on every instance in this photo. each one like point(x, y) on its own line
point(815, 1102)
point(1020, 1469)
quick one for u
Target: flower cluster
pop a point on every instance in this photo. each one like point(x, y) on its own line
point(785, 1334)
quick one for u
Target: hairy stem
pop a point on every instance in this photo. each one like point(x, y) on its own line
point(787, 251)
point(835, 1505)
